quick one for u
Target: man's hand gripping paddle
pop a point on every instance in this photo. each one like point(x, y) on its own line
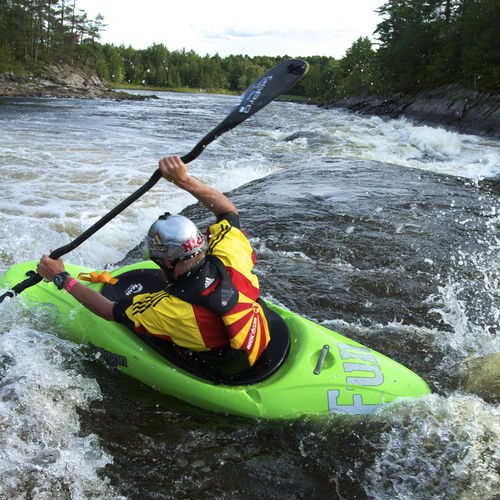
point(269, 86)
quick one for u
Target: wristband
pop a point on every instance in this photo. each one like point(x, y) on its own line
point(70, 285)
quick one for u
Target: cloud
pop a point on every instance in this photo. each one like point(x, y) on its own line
point(263, 28)
point(236, 34)
point(297, 42)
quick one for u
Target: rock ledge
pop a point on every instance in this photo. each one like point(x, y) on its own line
point(62, 80)
point(449, 106)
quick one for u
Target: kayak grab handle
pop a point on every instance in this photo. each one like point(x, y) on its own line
point(321, 359)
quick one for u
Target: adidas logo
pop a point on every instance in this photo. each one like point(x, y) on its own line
point(208, 282)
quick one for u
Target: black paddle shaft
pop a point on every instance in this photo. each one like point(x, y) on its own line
point(269, 86)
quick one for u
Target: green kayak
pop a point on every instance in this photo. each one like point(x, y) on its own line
point(309, 369)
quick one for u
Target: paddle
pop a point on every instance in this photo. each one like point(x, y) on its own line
point(269, 86)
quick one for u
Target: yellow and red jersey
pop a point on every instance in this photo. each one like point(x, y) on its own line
point(214, 306)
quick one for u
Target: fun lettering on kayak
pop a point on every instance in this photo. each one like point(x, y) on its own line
point(360, 367)
point(374, 377)
point(358, 407)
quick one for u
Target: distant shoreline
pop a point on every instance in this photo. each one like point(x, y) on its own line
point(449, 106)
point(187, 90)
point(212, 91)
point(62, 81)
point(74, 83)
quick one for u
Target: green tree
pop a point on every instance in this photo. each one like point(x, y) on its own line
point(34, 31)
point(407, 41)
point(156, 60)
point(477, 28)
point(114, 69)
point(358, 69)
point(132, 63)
point(425, 43)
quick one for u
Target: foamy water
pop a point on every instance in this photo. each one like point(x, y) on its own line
point(61, 174)
point(65, 163)
point(44, 452)
point(462, 430)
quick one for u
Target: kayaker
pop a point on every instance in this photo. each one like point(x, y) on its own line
point(209, 308)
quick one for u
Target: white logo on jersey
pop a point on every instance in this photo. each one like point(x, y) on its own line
point(134, 289)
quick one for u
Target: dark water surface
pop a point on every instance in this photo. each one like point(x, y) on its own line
point(404, 260)
point(369, 245)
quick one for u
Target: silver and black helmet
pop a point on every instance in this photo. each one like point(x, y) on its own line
point(174, 237)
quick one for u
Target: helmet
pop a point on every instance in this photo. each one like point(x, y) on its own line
point(174, 237)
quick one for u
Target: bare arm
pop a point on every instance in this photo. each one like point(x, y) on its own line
point(88, 297)
point(173, 169)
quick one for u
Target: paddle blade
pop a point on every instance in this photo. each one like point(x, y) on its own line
point(269, 86)
point(264, 90)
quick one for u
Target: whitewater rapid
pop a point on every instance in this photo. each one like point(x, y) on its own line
point(72, 428)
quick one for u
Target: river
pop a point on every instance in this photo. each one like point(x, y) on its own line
point(383, 230)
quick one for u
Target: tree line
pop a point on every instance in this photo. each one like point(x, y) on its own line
point(37, 31)
point(421, 44)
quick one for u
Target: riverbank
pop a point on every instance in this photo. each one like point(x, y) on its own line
point(187, 90)
point(61, 80)
point(448, 106)
point(74, 82)
point(217, 91)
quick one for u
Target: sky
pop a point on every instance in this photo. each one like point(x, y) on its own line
point(257, 27)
